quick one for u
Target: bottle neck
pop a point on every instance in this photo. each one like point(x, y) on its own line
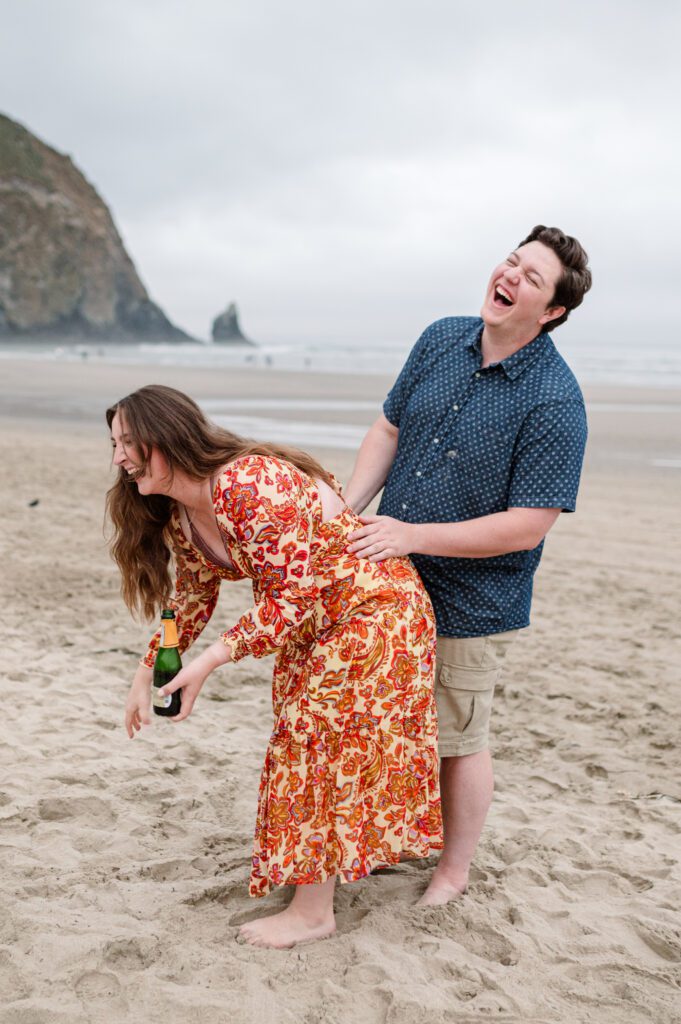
point(169, 633)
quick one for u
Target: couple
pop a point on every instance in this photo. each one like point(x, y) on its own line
point(479, 449)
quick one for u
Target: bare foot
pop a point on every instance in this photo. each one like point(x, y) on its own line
point(281, 931)
point(444, 887)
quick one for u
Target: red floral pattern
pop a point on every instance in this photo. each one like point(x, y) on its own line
point(350, 779)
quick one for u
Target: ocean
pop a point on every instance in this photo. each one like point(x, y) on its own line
point(657, 365)
point(292, 421)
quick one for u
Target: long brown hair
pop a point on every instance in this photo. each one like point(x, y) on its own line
point(166, 419)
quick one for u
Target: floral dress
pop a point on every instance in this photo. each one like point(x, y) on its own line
point(350, 779)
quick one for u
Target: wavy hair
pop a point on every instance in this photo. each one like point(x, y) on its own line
point(160, 417)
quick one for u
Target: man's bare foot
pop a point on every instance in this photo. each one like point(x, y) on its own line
point(445, 886)
point(281, 931)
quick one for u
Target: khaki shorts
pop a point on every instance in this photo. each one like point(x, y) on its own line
point(467, 670)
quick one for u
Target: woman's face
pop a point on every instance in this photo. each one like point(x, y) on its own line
point(155, 478)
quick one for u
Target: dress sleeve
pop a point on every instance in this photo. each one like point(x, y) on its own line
point(196, 594)
point(264, 504)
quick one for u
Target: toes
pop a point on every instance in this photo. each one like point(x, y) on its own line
point(250, 936)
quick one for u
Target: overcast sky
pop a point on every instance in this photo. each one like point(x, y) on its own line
point(354, 170)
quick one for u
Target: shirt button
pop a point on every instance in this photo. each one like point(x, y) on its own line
point(478, 375)
point(456, 408)
point(418, 472)
point(452, 453)
point(436, 440)
point(404, 506)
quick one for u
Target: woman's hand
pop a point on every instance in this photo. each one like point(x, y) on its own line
point(139, 701)
point(191, 678)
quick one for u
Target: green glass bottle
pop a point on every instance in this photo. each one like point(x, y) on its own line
point(168, 663)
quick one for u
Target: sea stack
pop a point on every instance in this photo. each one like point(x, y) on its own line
point(226, 327)
point(64, 271)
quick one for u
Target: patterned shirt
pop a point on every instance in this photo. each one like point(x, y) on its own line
point(475, 441)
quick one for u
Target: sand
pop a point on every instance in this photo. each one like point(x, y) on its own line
point(125, 864)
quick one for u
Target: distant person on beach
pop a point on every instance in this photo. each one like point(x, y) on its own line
point(350, 780)
point(479, 449)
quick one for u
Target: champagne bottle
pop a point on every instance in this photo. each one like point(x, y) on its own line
point(168, 663)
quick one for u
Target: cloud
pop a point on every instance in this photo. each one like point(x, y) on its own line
point(353, 171)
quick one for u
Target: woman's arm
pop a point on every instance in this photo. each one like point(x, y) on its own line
point(196, 593)
point(194, 599)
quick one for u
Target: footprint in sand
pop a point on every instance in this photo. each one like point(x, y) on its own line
point(366, 974)
point(8, 929)
point(224, 893)
point(480, 939)
point(662, 939)
point(101, 990)
point(13, 984)
point(168, 870)
point(129, 954)
point(89, 810)
point(89, 780)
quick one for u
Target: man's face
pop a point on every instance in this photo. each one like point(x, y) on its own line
point(521, 289)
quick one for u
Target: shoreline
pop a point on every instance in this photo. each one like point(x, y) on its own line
point(630, 429)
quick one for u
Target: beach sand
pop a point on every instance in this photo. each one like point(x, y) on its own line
point(125, 864)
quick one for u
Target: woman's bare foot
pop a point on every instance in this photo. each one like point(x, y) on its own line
point(309, 916)
point(281, 931)
point(444, 887)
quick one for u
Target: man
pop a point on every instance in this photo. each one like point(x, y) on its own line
point(480, 448)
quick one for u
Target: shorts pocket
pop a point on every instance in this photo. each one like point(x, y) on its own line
point(455, 677)
point(464, 706)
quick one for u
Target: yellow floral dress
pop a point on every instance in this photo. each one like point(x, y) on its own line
point(350, 779)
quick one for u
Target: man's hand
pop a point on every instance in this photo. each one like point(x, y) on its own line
point(381, 537)
point(515, 529)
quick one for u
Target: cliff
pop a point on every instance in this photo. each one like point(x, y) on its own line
point(64, 271)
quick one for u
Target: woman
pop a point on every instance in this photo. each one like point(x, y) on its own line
point(350, 775)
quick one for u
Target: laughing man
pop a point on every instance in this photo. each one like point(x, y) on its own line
point(480, 449)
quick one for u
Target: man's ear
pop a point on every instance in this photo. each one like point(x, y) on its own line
point(552, 313)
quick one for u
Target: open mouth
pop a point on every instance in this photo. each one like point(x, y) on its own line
point(502, 297)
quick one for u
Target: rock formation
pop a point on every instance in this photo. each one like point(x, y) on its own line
point(64, 271)
point(226, 327)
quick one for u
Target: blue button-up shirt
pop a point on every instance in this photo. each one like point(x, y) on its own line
point(474, 441)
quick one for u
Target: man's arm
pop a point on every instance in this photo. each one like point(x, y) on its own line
point(374, 459)
point(516, 529)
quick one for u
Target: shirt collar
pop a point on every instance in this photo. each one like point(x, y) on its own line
point(519, 361)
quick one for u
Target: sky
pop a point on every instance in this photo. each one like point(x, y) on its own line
point(351, 172)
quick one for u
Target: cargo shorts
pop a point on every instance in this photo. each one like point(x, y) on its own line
point(467, 670)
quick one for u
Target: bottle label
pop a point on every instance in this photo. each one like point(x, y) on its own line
point(159, 701)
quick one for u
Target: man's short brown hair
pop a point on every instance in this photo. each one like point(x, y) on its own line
point(575, 281)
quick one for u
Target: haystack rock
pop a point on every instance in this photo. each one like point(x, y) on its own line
point(64, 271)
point(226, 327)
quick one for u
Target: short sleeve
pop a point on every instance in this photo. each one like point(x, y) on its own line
point(548, 457)
point(398, 396)
point(265, 506)
point(194, 599)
